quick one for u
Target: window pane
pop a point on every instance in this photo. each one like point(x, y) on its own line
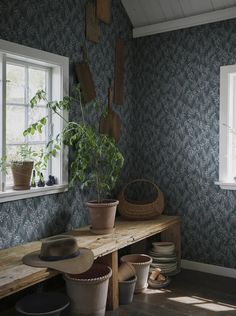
point(35, 115)
point(15, 124)
point(37, 81)
point(15, 87)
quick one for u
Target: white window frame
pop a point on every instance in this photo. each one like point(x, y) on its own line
point(227, 104)
point(60, 88)
point(26, 66)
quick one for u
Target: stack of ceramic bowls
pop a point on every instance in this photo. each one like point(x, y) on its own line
point(164, 257)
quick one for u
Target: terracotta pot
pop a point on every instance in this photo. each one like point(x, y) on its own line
point(125, 271)
point(21, 172)
point(126, 290)
point(88, 291)
point(102, 216)
point(141, 263)
point(44, 304)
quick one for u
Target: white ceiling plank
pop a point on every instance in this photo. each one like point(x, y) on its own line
point(204, 18)
point(171, 9)
point(221, 4)
point(149, 12)
point(152, 11)
point(193, 7)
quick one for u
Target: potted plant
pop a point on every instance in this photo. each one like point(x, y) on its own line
point(96, 160)
point(21, 167)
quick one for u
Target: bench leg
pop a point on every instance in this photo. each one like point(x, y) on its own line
point(173, 234)
point(111, 260)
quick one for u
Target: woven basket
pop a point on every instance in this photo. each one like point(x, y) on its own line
point(134, 211)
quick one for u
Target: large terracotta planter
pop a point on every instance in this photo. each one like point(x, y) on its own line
point(141, 263)
point(88, 291)
point(21, 172)
point(102, 216)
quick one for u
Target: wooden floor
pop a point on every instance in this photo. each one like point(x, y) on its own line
point(190, 293)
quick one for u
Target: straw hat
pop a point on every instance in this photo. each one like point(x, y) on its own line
point(61, 253)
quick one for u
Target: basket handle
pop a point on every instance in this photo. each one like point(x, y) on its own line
point(140, 180)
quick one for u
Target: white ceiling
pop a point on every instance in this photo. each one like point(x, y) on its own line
point(144, 13)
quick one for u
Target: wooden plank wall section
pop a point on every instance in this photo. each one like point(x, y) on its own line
point(15, 276)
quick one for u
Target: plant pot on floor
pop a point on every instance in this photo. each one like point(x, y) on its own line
point(21, 172)
point(102, 216)
point(88, 291)
point(141, 263)
point(126, 290)
point(44, 304)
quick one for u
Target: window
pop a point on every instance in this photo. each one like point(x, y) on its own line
point(227, 159)
point(24, 71)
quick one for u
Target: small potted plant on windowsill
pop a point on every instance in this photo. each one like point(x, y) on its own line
point(96, 162)
point(21, 167)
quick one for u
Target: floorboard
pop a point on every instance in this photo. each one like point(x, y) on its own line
point(190, 293)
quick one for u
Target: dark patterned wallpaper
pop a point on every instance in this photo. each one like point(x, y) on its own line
point(177, 133)
point(169, 134)
point(58, 26)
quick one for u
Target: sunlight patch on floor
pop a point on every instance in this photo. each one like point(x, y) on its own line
point(214, 307)
point(203, 303)
point(186, 300)
point(155, 291)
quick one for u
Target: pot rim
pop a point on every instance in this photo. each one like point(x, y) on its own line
point(107, 202)
point(137, 263)
point(90, 280)
point(130, 280)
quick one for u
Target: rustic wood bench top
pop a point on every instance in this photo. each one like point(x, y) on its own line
point(15, 276)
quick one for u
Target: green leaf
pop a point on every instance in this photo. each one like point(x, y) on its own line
point(43, 121)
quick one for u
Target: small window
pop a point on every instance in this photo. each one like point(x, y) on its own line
point(227, 159)
point(24, 71)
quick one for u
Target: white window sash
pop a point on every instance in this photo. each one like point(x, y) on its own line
point(59, 84)
point(226, 123)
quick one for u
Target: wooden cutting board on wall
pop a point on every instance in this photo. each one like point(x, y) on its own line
point(119, 72)
point(93, 31)
point(85, 78)
point(110, 125)
point(103, 10)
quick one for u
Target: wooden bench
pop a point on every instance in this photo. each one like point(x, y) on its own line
point(15, 276)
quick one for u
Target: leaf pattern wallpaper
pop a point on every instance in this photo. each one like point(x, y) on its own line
point(170, 121)
point(58, 26)
point(177, 133)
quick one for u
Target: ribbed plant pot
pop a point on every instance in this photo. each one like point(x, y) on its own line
point(102, 216)
point(42, 304)
point(126, 290)
point(88, 291)
point(21, 172)
point(141, 263)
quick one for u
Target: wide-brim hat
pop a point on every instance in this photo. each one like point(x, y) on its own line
point(62, 254)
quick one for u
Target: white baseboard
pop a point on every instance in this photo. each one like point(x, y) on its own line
point(208, 268)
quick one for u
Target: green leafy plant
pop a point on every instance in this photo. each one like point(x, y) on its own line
point(97, 161)
point(25, 153)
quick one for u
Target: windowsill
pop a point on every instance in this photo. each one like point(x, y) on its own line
point(13, 195)
point(226, 185)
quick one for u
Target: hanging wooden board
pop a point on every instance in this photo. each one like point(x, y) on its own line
point(85, 78)
point(93, 31)
point(103, 10)
point(119, 72)
point(110, 125)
